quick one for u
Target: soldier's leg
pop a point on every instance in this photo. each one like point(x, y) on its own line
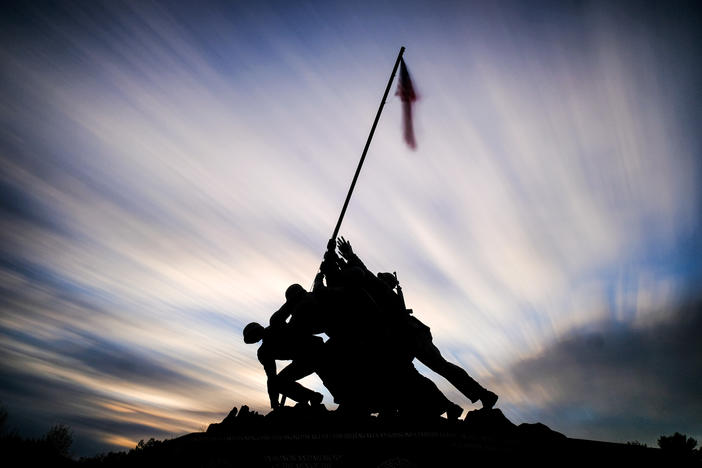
point(428, 354)
point(422, 398)
point(452, 410)
point(286, 383)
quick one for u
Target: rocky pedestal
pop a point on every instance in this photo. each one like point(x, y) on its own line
point(307, 437)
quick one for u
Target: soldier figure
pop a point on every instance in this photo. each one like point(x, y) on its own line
point(367, 362)
point(283, 342)
point(417, 336)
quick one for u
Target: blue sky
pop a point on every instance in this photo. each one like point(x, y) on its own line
point(169, 169)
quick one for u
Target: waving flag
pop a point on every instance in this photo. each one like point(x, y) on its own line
point(407, 95)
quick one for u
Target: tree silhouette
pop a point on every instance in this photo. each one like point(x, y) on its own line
point(60, 438)
point(678, 443)
point(680, 447)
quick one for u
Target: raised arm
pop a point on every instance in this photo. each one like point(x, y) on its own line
point(318, 282)
point(346, 251)
point(331, 265)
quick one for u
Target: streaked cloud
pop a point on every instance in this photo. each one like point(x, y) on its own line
point(168, 171)
point(617, 383)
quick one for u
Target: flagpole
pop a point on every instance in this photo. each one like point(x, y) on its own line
point(365, 149)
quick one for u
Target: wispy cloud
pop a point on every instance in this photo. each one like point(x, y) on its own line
point(616, 383)
point(168, 172)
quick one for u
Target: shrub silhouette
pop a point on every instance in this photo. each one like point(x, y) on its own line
point(143, 446)
point(3, 419)
point(60, 438)
point(681, 448)
point(50, 450)
point(677, 443)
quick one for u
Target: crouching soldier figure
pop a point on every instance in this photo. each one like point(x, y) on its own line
point(282, 342)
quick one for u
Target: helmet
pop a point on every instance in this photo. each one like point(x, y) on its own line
point(294, 291)
point(389, 279)
point(253, 333)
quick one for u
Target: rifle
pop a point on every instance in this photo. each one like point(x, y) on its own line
point(400, 294)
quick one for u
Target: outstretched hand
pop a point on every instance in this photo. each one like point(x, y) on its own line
point(344, 247)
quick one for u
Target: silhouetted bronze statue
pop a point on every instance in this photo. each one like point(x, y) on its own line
point(417, 335)
point(282, 342)
point(366, 363)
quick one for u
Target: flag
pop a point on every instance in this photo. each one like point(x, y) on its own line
point(407, 95)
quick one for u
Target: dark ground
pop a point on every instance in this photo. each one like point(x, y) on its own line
point(305, 438)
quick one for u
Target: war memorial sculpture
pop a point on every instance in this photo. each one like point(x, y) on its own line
point(366, 363)
point(388, 414)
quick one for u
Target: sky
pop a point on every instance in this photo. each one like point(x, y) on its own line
point(168, 169)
